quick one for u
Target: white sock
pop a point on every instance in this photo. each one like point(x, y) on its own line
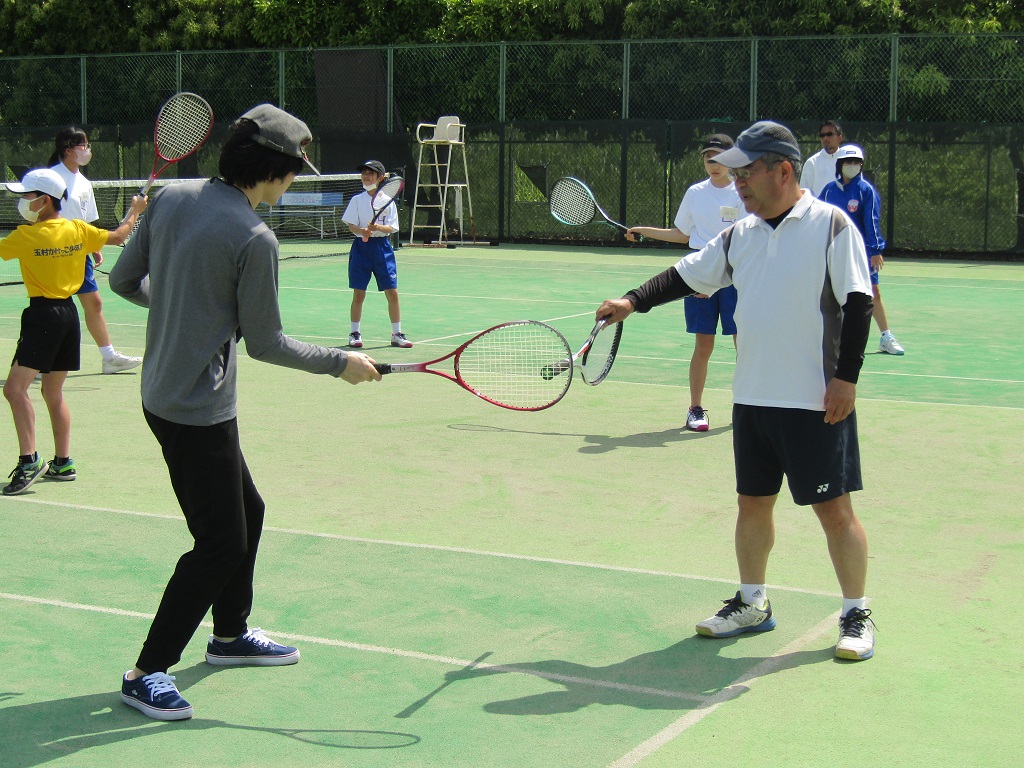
point(396, 327)
point(107, 352)
point(754, 594)
point(854, 602)
point(355, 327)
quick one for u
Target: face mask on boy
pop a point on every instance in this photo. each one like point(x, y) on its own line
point(26, 212)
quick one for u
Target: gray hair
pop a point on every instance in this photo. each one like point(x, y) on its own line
point(771, 159)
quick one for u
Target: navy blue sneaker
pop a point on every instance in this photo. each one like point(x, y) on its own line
point(253, 649)
point(155, 696)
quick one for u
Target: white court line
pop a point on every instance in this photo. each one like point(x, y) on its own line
point(437, 548)
point(445, 660)
point(768, 666)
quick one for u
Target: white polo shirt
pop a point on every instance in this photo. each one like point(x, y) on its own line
point(706, 210)
point(81, 202)
point(792, 283)
point(819, 169)
point(359, 211)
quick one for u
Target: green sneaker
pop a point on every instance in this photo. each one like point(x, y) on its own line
point(23, 475)
point(62, 472)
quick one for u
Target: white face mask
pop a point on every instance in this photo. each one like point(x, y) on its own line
point(369, 187)
point(26, 212)
point(83, 156)
point(851, 169)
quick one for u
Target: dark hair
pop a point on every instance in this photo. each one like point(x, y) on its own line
point(834, 124)
point(66, 138)
point(245, 163)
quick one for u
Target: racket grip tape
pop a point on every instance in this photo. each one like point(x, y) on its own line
point(383, 368)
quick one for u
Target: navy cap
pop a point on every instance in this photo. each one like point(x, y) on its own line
point(759, 139)
point(718, 141)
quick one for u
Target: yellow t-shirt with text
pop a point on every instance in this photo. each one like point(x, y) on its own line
point(52, 255)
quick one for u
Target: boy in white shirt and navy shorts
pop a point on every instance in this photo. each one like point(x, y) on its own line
point(374, 257)
point(708, 207)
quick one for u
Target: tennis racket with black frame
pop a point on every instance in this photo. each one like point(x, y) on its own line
point(387, 195)
point(572, 202)
point(183, 125)
point(594, 359)
point(502, 365)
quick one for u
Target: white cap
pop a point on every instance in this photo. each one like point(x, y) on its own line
point(848, 151)
point(41, 180)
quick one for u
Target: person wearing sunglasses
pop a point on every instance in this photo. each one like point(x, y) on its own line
point(820, 168)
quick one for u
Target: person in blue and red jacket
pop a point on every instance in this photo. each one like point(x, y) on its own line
point(854, 194)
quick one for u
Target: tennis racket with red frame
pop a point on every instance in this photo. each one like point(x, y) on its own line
point(182, 127)
point(386, 195)
point(502, 365)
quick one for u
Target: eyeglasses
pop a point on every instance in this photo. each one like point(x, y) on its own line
point(744, 173)
point(86, 145)
point(827, 133)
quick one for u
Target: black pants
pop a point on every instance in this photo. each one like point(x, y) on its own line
point(224, 514)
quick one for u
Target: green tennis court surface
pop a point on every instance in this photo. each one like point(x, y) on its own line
point(471, 586)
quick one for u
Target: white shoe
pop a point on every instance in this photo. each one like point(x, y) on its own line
point(736, 618)
point(120, 362)
point(355, 340)
point(399, 340)
point(697, 419)
point(889, 344)
point(856, 635)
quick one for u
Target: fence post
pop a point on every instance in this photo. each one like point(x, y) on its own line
point(177, 71)
point(502, 72)
point(82, 89)
point(625, 80)
point(390, 97)
point(894, 66)
point(753, 79)
point(281, 102)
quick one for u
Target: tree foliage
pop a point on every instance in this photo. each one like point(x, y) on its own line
point(33, 27)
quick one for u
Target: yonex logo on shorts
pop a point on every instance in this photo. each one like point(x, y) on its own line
point(823, 488)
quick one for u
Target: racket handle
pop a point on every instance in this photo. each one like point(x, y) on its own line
point(366, 237)
point(383, 368)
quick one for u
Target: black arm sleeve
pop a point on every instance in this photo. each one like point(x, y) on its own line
point(661, 289)
point(853, 337)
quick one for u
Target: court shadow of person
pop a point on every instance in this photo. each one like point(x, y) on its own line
point(36, 733)
point(661, 439)
point(597, 444)
point(683, 676)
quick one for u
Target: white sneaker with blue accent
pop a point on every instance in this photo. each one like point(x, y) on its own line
point(890, 345)
point(736, 618)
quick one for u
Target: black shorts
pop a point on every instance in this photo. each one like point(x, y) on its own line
point(820, 461)
point(51, 337)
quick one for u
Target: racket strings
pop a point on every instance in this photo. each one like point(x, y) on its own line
point(183, 125)
point(386, 194)
point(505, 365)
point(571, 203)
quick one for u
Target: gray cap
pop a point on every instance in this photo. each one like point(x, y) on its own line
point(758, 140)
point(281, 132)
point(41, 180)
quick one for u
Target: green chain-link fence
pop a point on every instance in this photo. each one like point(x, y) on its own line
point(941, 117)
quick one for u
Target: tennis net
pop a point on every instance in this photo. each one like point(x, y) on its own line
point(307, 219)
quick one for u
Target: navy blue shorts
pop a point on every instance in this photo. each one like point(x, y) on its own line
point(89, 284)
point(376, 258)
point(702, 314)
point(821, 461)
point(51, 336)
